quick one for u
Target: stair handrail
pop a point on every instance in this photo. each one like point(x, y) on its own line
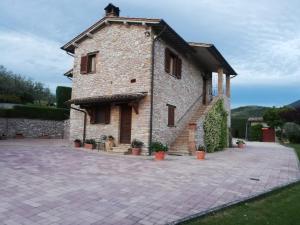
point(189, 109)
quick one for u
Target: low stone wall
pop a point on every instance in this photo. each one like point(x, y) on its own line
point(33, 128)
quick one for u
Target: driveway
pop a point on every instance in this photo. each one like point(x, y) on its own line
point(48, 182)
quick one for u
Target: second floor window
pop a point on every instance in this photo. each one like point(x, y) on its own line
point(173, 64)
point(88, 63)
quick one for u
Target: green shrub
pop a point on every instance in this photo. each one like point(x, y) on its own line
point(33, 112)
point(292, 132)
point(158, 146)
point(63, 94)
point(215, 128)
point(256, 132)
point(238, 127)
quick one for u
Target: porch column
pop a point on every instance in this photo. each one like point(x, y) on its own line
point(228, 85)
point(220, 81)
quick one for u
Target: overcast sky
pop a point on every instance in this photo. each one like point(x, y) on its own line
point(259, 38)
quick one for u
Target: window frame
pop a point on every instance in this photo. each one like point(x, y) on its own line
point(106, 114)
point(90, 57)
point(171, 115)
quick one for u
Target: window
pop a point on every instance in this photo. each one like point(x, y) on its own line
point(100, 115)
point(91, 68)
point(88, 63)
point(173, 64)
point(171, 115)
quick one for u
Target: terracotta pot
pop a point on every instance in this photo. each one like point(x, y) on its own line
point(136, 151)
point(89, 146)
point(241, 145)
point(77, 144)
point(200, 155)
point(160, 155)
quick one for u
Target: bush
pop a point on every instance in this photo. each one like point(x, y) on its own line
point(158, 146)
point(238, 127)
point(215, 128)
point(63, 94)
point(292, 132)
point(256, 132)
point(34, 112)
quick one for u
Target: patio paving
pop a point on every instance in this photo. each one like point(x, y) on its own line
point(48, 182)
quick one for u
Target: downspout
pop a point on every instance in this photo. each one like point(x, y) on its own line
point(84, 122)
point(152, 83)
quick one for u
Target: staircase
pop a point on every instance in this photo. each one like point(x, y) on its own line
point(122, 149)
point(181, 145)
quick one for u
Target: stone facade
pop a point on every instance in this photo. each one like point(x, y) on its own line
point(32, 128)
point(124, 54)
point(184, 93)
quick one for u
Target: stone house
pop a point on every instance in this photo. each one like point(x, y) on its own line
point(136, 78)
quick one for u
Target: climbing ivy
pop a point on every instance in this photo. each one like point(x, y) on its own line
point(215, 128)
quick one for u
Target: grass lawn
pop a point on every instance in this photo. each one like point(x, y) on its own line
point(281, 207)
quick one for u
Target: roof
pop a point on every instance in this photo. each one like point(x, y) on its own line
point(211, 58)
point(116, 98)
point(206, 55)
point(69, 73)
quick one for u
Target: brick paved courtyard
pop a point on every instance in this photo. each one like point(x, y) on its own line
point(47, 182)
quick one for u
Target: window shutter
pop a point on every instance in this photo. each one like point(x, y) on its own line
point(167, 60)
point(84, 64)
point(178, 67)
point(107, 114)
point(93, 116)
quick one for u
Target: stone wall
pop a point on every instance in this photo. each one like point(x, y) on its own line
point(32, 128)
point(124, 54)
point(182, 93)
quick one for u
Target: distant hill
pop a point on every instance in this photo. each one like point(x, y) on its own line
point(295, 104)
point(248, 111)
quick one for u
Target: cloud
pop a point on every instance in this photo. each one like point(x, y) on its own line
point(35, 57)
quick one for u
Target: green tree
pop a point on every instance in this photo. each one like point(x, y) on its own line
point(63, 94)
point(272, 117)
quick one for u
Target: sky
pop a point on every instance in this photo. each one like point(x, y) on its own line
point(259, 38)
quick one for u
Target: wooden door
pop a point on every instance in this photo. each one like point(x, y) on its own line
point(204, 91)
point(125, 126)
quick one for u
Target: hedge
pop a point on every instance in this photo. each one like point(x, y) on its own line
point(215, 128)
point(63, 94)
point(256, 132)
point(238, 127)
point(34, 112)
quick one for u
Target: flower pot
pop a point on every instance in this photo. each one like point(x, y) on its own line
point(89, 146)
point(241, 145)
point(200, 155)
point(136, 151)
point(77, 144)
point(159, 155)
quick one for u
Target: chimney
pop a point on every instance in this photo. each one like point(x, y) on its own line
point(111, 10)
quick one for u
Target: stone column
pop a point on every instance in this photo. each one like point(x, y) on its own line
point(228, 85)
point(191, 138)
point(220, 81)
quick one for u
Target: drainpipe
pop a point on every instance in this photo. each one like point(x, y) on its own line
point(152, 82)
point(84, 122)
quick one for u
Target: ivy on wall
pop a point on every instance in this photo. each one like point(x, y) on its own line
point(215, 128)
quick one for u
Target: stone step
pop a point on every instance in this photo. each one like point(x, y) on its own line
point(121, 149)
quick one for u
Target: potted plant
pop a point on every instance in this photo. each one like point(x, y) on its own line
point(89, 143)
point(240, 143)
point(77, 143)
point(200, 152)
point(136, 147)
point(159, 150)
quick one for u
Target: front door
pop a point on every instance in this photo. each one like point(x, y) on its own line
point(125, 126)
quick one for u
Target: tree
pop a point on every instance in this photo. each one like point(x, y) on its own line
point(272, 117)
